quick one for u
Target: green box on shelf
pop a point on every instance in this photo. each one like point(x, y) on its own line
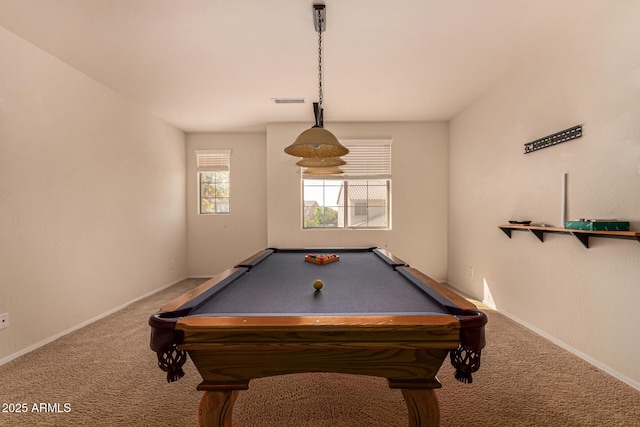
point(597, 225)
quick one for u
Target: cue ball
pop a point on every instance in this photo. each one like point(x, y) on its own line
point(318, 284)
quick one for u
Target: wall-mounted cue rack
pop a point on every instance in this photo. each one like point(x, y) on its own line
point(555, 139)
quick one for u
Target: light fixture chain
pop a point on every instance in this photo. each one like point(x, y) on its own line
point(320, 65)
point(317, 142)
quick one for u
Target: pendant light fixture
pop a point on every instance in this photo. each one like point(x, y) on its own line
point(323, 171)
point(328, 166)
point(317, 142)
point(321, 163)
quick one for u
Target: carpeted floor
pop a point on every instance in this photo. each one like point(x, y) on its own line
point(106, 375)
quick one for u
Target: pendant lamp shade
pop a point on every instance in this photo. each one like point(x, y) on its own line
point(316, 143)
point(323, 171)
point(321, 163)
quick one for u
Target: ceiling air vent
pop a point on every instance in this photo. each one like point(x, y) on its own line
point(288, 100)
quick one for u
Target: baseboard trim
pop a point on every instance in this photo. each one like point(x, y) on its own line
point(575, 351)
point(625, 379)
point(52, 338)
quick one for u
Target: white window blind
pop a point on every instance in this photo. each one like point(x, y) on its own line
point(367, 159)
point(213, 160)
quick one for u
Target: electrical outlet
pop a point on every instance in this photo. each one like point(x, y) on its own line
point(470, 271)
point(4, 320)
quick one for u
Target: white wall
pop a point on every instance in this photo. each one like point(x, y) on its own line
point(585, 299)
point(419, 193)
point(88, 183)
point(218, 242)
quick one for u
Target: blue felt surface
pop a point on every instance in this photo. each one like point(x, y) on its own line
point(360, 283)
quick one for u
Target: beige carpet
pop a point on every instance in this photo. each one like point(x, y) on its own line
point(108, 376)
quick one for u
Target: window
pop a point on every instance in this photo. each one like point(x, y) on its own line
point(213, 168)
point(359, 198)
point(360, 209)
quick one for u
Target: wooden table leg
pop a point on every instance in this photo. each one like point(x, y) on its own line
point(422, 403)
point(216, 408)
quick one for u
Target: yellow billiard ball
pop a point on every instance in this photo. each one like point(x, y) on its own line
point(318, 284)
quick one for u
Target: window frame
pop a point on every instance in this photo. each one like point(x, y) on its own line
point(371, 162)
point(208, 161)
point(387, 206)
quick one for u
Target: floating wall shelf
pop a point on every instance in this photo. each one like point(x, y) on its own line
point(582, 235)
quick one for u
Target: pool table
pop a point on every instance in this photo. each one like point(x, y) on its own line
point(374, 315)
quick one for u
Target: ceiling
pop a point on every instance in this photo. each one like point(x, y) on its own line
point(216, 65)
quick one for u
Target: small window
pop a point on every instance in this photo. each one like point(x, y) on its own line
point(359, 198)
point(213, 168)
point(360, 209)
